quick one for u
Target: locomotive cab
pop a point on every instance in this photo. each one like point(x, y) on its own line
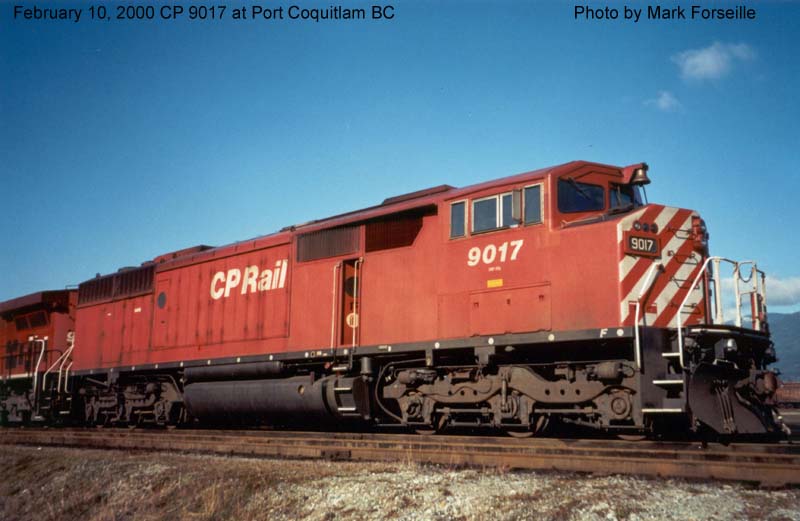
point(593, 194)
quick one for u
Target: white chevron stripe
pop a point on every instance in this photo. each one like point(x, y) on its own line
point(673, 244)
point(665, 217)
point(669, 291)
point(626, 265)
point(673, 286)
point(631, 297)
point(629, 261)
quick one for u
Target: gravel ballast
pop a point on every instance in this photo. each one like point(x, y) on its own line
point(93, 485)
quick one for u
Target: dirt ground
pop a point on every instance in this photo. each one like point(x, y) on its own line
point(46, 484)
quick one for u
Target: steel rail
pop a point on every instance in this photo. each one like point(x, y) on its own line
point(766, 464)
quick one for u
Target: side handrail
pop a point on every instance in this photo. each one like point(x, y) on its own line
point(678, 315)
point(756, 292)
point(50, 369)
point(357, 319)
point(336, 269)
point(648, 281)
point(35, 341)
point(66, 376)
point(66, 357)
point(757, 307)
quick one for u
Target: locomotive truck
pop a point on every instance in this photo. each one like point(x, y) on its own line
point(558, 294)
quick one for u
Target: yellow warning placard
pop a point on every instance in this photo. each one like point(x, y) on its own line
point(494, 283)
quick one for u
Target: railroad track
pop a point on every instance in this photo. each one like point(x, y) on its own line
point(767, 464)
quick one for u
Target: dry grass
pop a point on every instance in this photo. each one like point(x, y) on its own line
point(65, 484)
point(59, 484)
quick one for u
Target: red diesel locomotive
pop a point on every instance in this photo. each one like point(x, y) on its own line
point(554, 294)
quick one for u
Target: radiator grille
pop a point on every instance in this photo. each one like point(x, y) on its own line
point(392, 233)
point(123, 284)
point(328, 243)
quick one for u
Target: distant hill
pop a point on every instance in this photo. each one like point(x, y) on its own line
point(785, 330)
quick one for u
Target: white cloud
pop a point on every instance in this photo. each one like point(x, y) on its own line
point(712, 62)
point(729, 315)
point(780, 292)
point(665, 101)
point(742, 51)
point(783, 292)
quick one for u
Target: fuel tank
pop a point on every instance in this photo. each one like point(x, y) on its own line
point(258, 400)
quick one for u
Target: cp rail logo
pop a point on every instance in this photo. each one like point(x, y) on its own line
point(252, 279)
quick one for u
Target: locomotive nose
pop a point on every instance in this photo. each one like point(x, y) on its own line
point(675, 239)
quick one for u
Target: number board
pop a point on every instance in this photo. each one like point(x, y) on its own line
point(639, 245)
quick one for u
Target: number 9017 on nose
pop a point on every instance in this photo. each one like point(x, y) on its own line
point(646, 246)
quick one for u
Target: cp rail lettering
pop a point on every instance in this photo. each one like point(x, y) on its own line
point(252, 279)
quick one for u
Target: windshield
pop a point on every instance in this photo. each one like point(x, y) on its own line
point(626, 195)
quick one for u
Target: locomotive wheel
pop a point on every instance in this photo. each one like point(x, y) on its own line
point(632, 437)
point(433, 429)
point(541, 424)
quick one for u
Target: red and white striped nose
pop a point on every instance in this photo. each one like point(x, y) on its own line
point(672, 238)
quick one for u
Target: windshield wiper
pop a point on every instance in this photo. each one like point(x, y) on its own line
point(621, 209)
point(579, 189)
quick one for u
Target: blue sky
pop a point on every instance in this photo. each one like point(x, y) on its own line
point(120, 141)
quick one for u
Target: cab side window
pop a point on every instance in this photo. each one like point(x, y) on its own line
point(497, 212)
point(533, 204)
point(574, 196)
point(458, 219)
point(492, 213)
